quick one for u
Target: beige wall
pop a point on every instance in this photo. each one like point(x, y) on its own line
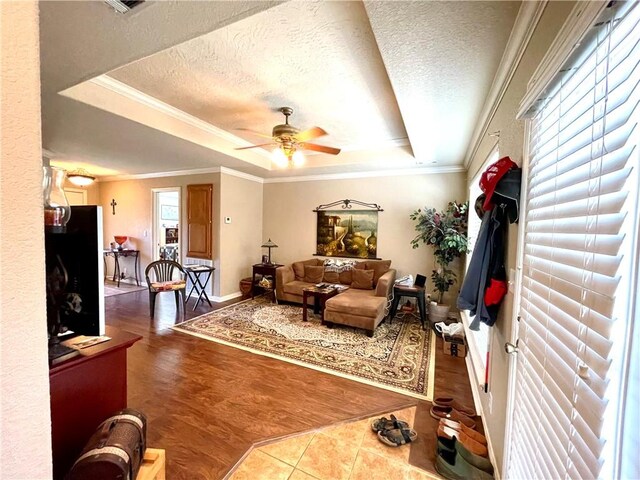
point(511, 143)
point(134, 211)
point(25, 425)
point(291, 223)
point(240, 240)
point(236, 246)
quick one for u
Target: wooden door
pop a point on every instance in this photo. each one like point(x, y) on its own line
point(199, 221)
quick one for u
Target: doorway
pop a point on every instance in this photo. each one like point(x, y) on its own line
point(166, 224)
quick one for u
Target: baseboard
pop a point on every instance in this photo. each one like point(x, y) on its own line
point(224, 298)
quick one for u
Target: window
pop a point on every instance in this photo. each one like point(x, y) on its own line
point(478, 340)
point(580, 261)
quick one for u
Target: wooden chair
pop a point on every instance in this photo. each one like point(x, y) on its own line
point(164, 282)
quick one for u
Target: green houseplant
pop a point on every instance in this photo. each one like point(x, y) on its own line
point(446, 232)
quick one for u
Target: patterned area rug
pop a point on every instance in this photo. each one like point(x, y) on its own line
point(399, 357)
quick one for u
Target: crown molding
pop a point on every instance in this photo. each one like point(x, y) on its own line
point(174, 173)
point(369, 174)
point(521, 33)
point(142, 98)
point(302, 178)
point(246, 176)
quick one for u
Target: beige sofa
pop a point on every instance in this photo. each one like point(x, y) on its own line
point(356, 307)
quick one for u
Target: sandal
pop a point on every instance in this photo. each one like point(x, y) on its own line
point(382, 424)
point(452, 414)
point(397, 436)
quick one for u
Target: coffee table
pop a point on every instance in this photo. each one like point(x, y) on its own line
point(320, 296)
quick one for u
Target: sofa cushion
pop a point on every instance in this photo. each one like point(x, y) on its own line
point(362, 279)
point(379, 267)
point(298, 270)
point(360, 265)
point(357, 302)
point(346, 277)
point(295, 287)
point(331, 277)
point(313, 274)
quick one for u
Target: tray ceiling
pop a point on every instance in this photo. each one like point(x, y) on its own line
point(407, 79)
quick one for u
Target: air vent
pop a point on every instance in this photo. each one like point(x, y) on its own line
point(123, 6)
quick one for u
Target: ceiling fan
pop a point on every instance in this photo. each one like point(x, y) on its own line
point(289, 141)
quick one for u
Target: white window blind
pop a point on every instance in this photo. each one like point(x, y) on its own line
point(579, 260)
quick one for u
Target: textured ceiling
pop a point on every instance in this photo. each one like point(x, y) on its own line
point(371, 74)
point(318, 57)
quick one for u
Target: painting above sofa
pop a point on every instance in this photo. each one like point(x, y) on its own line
point(352, 233)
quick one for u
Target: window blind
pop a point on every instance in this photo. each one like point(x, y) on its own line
point(579, 259)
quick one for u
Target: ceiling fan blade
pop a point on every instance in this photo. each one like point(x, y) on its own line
point(255, 146)
point(320, 148)
point(254, 132)
point(309, 134)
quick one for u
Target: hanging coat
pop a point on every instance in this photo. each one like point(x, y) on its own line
point(486, 271)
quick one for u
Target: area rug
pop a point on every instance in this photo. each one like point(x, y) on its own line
point(399, 357)
point(111, 288)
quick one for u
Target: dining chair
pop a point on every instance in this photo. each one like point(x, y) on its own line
point(163, 281)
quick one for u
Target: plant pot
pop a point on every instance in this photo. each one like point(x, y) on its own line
point(438, 313)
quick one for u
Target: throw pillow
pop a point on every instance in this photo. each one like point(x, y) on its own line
point(346, 277)
point(379, 267)
point(362, 279)
point(313, 274)
point(298, 270)
point(331, 277)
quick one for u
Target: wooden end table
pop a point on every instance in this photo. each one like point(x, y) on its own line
point(264, 269)
point(320, 296)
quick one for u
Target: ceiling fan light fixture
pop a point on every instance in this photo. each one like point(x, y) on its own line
point(279, 157)
point(81, 177)
point(297, 158)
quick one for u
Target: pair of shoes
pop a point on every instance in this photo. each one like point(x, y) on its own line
point(383, 424)
point(452, 402)
point(393, 432)
point(450, 436)
point(453, 329)
point(461, 427)
point(397, 436)
point(458, 463)
point(451, 413)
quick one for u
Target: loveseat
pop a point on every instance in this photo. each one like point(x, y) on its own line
point(362, 305)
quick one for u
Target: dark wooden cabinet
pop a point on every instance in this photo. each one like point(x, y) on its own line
point(199, 221)
point(85, 390)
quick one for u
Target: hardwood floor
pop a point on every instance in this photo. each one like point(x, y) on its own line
point(207, 403)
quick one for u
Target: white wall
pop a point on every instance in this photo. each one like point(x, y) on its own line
point(25, 425)
point(511, 143)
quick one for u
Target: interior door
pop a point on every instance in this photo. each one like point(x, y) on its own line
point(199, 221)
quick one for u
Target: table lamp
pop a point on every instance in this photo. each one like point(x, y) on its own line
point(269, 244)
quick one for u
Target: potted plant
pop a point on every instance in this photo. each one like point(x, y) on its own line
point(446, 232)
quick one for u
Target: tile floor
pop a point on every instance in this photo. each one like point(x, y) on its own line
point(349, 451)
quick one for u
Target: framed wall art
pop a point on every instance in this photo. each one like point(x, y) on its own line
point(347, 232)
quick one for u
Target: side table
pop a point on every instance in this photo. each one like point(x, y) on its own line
point(264, 269)
point(194, 272)
point(116, 254)
point(400, 291)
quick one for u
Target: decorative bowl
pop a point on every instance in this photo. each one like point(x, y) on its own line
point(120, 239)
